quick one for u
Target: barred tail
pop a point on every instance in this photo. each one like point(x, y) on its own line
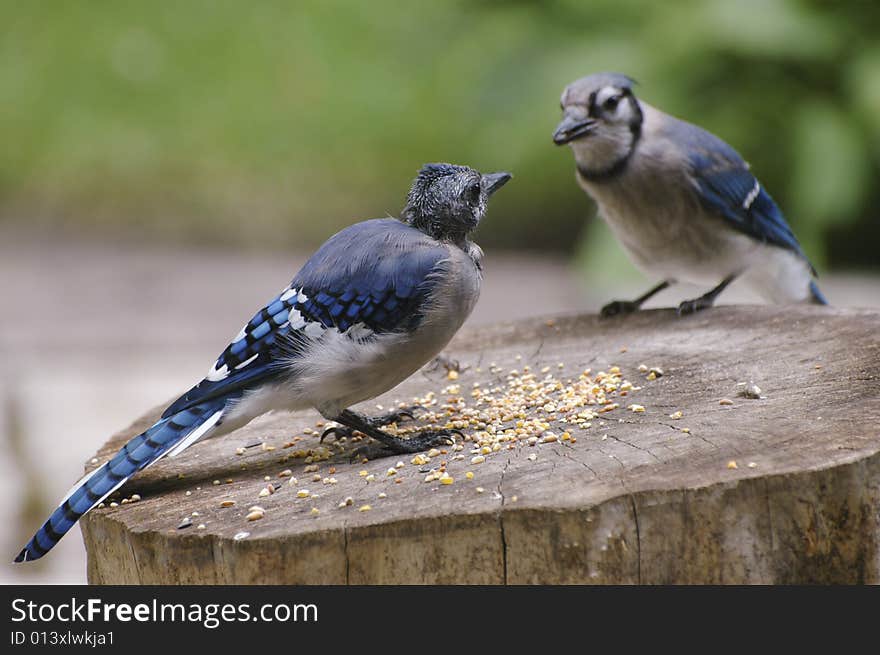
point(168, 436)
point(816, 296)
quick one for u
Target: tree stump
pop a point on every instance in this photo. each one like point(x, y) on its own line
point(784, 488)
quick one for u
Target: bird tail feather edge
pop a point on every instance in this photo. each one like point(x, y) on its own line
point(168, 436)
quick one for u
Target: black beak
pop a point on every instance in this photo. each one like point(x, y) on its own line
point(495, 181)
point(570, 129)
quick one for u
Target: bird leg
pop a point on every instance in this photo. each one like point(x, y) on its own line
point(616, 307)
point(391, 445)
point(345, 430)
point(706, 300)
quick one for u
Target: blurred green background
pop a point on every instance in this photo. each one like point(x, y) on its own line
point(280, 122)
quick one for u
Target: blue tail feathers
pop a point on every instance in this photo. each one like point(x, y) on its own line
point(136, 455)
point(817, 296)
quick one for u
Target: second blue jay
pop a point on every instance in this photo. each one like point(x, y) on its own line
point(683, 203)
point(377, 301)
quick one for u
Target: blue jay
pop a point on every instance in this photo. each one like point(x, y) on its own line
point(375, 302)
point(681, 201)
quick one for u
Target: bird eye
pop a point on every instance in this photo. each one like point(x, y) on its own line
point(611, 103)
point(473, 192)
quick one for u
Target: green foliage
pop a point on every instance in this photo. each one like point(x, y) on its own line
point(279, 122)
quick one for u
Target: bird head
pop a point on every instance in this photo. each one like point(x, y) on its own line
point(448, 201)
point(601, 121)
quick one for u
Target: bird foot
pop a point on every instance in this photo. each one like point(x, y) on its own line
point(398, 446)
point(340, 431)
point(693, 306)
point(618, 307)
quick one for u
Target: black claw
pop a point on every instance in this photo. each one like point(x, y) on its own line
point(617, 307)
point(692, 307)
point(338, 430)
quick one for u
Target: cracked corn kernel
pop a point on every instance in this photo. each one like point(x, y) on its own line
point(390, 472)
point(286, 473)
point(264, 492)
point(479, 459)
point(480, 490)
point(419, 459)
point(433, 452)
point(303, 493)
point(549, 438)
point(452, 374)
point(637, 408)
point(533, 457)
point(315, 511)
point(752, 465)
point(651, 376)
point(643, 368)
point(255, 515)
point(364, 508)
point(446, 479)
point(382, 494)
point(686, 430)
point(227, 503)
point(725, 401)
point(363, 474)
point(676, 415)
point(469, 475)
point(732, 464)
point(370, 477)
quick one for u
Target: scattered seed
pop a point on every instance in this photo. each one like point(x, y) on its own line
point(241, 535)
point(533, 457)
point(676, 415)
point(227, 503)
point(216, 482)
point(303, 493)
point(446, 479)
point(639, 409)
point(264, 492)
point(286, 473)
point(382, 494)
point(200, 526)
point(732, 464)
point(753, 465)
point(364, 508)
point(752, 392)
point(315, 511)
point(725, 401)
point(479, 459)
point(370, 477)
point(114, 504)
point(390, 472)
point(480, 490)
point(255, 515)
point(469, 475)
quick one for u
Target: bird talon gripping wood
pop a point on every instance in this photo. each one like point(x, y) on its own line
point(375, 303)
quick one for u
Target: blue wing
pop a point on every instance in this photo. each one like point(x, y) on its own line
point(726, 186)
point(369, 279)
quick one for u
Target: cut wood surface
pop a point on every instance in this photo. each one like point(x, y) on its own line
point(780, 489)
